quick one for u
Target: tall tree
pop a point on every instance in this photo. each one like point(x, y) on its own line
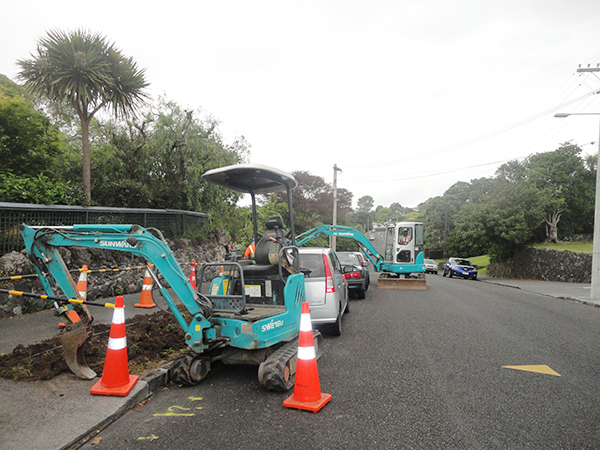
point(365, 204)
point(313, 202)
point(85, 71)
point(565, 183)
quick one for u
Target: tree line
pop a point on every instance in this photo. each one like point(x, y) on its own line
point(546, 197)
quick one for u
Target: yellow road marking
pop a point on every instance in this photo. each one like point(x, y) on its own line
point(537, 369)
point(150, 438)
point(172, 412)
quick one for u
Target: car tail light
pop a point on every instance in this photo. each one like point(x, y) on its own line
point(353, 275)
point(329, 284)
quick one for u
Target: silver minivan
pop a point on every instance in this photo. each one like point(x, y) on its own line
point(326, 288)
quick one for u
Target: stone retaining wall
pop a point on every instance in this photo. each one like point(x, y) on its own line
point(545, 264)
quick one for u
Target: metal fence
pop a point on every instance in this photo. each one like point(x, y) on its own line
point(172, 223)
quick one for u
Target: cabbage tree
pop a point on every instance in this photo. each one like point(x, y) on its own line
point(86, 72)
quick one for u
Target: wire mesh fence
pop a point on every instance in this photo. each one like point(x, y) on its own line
point(172, 223)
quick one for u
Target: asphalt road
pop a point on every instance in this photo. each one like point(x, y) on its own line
point(412, 369)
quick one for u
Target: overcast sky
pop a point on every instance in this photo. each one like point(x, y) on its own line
point(406, 97)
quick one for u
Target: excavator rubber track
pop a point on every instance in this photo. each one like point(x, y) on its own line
point(277, 372)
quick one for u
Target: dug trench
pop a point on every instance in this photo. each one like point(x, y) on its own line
point(152, 340)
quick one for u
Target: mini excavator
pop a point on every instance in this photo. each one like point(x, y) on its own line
point(251, 315)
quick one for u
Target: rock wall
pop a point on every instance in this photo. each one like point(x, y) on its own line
point(100, 285)
point(545, 264)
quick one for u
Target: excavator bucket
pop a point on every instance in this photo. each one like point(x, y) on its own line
point(74, 337)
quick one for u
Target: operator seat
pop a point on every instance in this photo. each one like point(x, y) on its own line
point(266, 246)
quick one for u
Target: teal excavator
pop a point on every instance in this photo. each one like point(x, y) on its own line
point(402, 256)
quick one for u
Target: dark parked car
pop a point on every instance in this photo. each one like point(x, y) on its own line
point(365, 265)
point(460, 267)
point(354, 273)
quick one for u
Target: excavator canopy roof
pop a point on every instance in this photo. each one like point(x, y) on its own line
point(251, 178)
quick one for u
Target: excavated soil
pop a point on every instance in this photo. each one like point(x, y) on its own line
point(152, 340)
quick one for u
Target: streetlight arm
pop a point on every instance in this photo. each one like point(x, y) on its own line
point(563, 115)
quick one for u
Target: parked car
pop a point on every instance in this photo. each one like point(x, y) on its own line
point(364, 262)
point(354, 273)
point(325, 286)
point(459, 267)
point(431, 266)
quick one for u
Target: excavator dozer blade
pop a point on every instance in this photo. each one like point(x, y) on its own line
point(73, 339)
point(407, 284)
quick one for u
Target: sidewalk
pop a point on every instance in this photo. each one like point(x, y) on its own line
point(59, 413)
point(579, 292)
point(63, 412)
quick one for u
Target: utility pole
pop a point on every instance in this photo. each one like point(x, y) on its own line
point(595, 287)
point(336, 169)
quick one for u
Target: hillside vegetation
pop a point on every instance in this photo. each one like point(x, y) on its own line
point(583, 246)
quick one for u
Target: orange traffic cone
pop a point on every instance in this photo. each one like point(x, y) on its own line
point(146, 300)
point(193, 274)
point(115, 376)
point(82, 289)
point(307, 389)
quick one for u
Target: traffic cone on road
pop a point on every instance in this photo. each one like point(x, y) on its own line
point(146, 300)
point(307, 389)
point(82, 290)
point(193, 274)
point(115, 376)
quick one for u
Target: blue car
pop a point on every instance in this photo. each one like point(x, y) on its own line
point(460, 267)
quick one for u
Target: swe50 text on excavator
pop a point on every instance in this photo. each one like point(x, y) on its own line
point(249, 316)
point(403, 252)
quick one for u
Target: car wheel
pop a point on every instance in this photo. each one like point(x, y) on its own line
point(450, 274)
point(361, 294)
point(336, 328)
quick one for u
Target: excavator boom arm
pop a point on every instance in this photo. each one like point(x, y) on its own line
point(342, 231)
point(42, 243)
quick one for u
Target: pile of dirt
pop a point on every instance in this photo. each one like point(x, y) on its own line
point(152, 340)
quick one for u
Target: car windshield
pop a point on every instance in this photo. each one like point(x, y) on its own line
point(429, 261)
point(463, 262)
point(348, 258)
point(312, 265)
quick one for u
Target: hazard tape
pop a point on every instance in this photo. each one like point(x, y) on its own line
point(18, 277)
point(118, 269)
point(56, 299)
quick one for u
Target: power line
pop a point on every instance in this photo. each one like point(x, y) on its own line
point(435, 174)
point(484, 136)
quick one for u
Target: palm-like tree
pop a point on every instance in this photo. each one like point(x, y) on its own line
point(88, 73)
